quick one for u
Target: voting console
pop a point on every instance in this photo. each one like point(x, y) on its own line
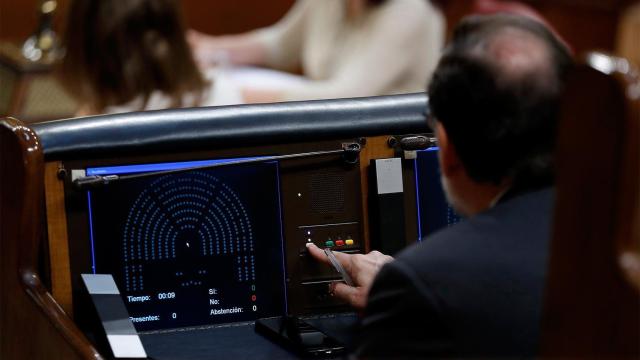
point(200, 217)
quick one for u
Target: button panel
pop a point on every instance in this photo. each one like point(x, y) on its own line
point(338, 237)
point(330, 235)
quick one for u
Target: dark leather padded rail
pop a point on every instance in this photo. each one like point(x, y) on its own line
point(231, 126)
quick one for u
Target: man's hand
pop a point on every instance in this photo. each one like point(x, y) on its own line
point(362, 269)
point(224, 50)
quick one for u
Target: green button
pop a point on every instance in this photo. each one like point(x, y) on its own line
point(328, 243)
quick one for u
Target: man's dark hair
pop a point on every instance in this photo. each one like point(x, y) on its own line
point(496, 91)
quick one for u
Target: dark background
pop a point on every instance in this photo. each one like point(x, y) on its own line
point(585, 24)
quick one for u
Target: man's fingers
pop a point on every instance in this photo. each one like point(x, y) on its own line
point(350, 294)
point(345, 260)
point(317, 253)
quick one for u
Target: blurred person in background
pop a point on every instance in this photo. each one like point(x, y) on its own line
point(345, 48)
point(132, 55)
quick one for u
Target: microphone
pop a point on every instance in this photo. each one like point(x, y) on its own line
point(350, 154)
point(418, 142)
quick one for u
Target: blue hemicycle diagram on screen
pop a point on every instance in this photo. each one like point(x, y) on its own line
point(196, 213)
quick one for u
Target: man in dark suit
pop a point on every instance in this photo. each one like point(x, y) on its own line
point(475, 289)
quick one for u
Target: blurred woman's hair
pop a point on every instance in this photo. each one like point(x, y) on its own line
point(118, 51)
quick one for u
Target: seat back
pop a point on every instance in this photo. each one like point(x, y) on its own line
point(32, 324)
point(591, 309)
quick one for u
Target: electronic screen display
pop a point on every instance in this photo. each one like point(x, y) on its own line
point(192, 248)
point(434, 212)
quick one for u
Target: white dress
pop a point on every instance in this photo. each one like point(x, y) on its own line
point(222, 91)
point(392, 49)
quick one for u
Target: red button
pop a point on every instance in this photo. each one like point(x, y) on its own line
point(339, 242)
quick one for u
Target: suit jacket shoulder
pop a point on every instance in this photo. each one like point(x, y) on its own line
point(474, 289)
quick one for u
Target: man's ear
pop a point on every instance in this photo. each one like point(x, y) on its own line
point(450, 163)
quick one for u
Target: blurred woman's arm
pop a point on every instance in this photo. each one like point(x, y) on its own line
point(397, 55)
point(277, 46)
point(242, 49)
